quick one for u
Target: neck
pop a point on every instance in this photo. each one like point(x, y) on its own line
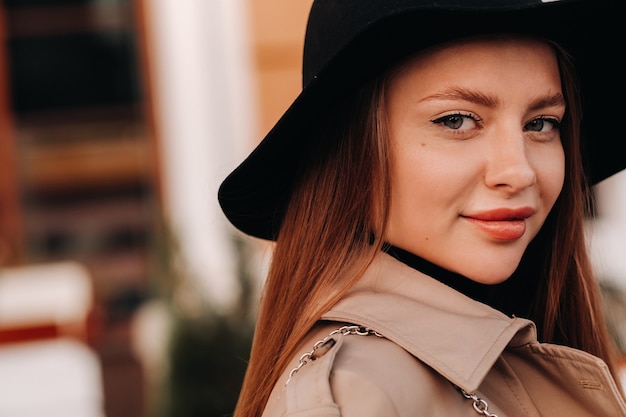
point(459, 282)
point(492, 295)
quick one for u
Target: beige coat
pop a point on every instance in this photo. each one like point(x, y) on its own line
point(435, 339)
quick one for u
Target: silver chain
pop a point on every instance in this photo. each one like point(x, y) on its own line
point(480, 405)
point(321, 347)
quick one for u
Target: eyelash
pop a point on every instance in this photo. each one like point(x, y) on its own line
point(556, 123)
point(441, 120)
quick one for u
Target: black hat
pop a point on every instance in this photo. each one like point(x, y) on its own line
point(350, 41)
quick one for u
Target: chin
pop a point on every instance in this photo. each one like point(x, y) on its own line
point(494, 266)
point(496, 274)
point(488, 280)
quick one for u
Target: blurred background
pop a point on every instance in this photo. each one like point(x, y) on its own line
point(124, 292)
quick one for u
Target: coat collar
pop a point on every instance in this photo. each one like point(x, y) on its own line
point(458, 337)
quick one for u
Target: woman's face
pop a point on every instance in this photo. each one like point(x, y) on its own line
point(476, 156)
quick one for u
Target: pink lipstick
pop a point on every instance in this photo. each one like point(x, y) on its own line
point(503, 223)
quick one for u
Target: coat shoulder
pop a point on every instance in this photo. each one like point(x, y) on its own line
point(385, 377)
point(364, 376)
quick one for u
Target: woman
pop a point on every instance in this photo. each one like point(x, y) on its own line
point(427, 191)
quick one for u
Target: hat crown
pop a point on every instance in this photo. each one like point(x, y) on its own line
point(334, 25)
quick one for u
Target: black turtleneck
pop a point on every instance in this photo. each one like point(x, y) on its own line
point(512, 297)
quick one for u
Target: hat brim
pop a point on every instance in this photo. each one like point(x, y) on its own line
point(254, 195)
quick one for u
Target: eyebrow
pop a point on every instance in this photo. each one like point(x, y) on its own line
point(458, 93)
point(553, 100)
point(487, 100)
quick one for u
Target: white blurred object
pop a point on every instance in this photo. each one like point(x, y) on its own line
point(58, 293)
point(51, 378)
point(50, 373)
point(607, 235)
point(151, 332)
point(204, 92)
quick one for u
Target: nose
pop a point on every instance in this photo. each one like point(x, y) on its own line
point(508, 166)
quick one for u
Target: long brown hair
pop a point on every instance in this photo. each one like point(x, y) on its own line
point(567, 308)
point(339, 206)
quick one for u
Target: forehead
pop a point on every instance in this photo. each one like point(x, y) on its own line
point(484, 62)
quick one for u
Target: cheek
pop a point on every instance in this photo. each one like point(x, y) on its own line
point(422, 185)
point(412, 178)
point(552, 176)
point(407, 184)
point(423, 176)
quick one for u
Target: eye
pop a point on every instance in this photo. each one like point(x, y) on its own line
point(458, 121)
point(543, 124)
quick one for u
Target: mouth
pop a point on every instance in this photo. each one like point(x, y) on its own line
point(503, 214)
point(502, 224)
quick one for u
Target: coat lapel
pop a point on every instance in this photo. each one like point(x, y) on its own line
point(458, 337)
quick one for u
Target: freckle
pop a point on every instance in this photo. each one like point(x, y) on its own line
point(425, 238)
point(423, 144)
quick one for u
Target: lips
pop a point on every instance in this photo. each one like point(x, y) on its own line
point(503, 223)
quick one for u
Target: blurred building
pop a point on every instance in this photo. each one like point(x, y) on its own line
point(80, 182)
point(118, 119)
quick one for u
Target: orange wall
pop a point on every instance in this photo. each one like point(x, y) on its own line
point(278, 28)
